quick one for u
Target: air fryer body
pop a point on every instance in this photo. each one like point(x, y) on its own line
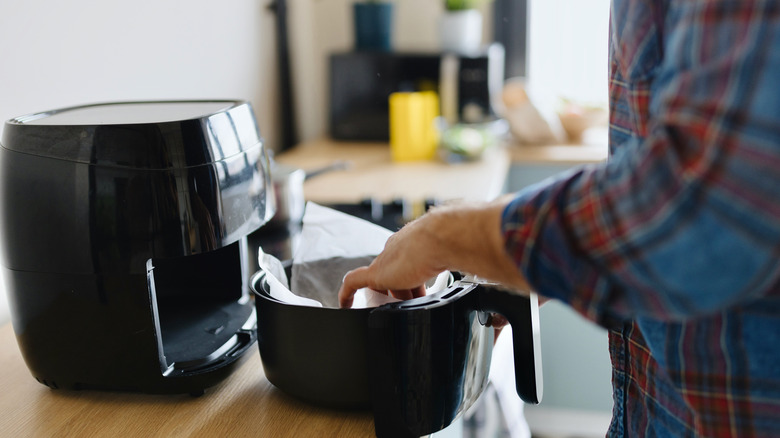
point(124, 241)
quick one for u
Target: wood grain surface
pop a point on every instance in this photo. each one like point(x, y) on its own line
point(244, 405)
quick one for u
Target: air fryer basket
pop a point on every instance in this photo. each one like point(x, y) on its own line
point(418, 364)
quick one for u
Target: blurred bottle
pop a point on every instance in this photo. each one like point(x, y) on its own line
point(413, 132)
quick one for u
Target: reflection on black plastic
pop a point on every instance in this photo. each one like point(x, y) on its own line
point(429, 364)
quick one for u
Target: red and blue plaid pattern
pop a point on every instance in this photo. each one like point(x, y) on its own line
point(674, 243)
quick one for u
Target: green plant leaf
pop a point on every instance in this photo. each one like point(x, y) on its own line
point(460, 5)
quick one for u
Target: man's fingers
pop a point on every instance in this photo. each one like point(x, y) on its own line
point(353, 281)
point(418, 291)
point(403, 294)
point(359, 278)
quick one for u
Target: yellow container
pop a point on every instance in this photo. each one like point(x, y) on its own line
point(413, 133)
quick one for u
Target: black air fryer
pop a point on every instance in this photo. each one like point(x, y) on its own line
point(124, 249)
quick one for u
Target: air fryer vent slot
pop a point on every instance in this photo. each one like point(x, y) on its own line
point(452, 293)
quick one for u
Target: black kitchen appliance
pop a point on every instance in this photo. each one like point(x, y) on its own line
point(469, 87)
point(124, 229)
point(418, 364)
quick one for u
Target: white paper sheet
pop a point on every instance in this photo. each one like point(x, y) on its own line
point(328, 233)
point(278, 288)
point(330, 242)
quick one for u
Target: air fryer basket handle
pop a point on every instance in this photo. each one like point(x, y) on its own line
point(523, 314)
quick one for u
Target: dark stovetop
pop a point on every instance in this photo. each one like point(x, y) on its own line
point(391, 215)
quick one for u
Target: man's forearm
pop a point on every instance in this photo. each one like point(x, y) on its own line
point(470, 240)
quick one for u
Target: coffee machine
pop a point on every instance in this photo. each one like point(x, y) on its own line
point(124, 241)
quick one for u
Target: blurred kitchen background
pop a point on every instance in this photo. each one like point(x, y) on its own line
point(56, 54)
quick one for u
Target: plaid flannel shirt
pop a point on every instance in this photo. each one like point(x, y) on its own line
point(674, 243)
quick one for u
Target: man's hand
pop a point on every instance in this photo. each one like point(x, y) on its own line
point(463, 238)
point(409, 260)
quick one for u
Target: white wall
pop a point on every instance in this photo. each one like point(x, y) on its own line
point(567, 49)
point(55, 53)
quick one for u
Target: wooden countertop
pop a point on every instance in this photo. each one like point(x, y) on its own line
point(373, 174)
point(245, 404)
point(557, 154)
point(593, 149)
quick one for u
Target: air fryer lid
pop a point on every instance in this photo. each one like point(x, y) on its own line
point(130, 181)
point(146, 135)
